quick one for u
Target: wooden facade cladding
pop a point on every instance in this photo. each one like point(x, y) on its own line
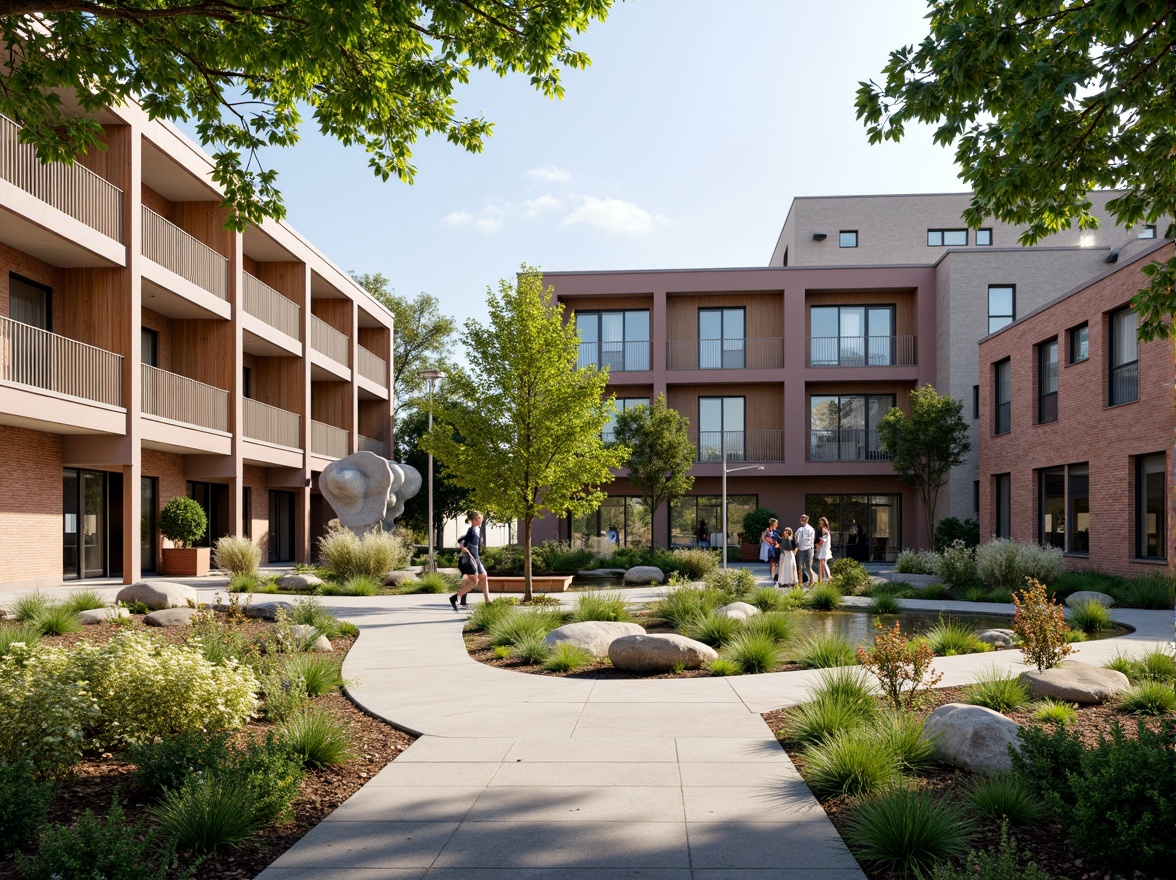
point(609, 303)
point(763, 312)
point(763, 404)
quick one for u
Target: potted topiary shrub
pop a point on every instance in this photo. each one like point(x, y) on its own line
point(182, 521)
point(754, 523)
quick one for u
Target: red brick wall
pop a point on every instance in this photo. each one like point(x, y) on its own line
point(254, 478)
point(12, 260)
point(168, 469)
point(1087, 430)
point(30, 507)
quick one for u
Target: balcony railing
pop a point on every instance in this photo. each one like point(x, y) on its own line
point(184, 400)
point(272, 425)
point(756, 353)
point(326, 339)
point(845, 444)
point(861, 351)
point(266, 304)
point(374, 367)
point(1125, 383)
point(740, 445)
point(191, 259)
point(39, 359)
point(328, 440)
point(367, 444)
point(617, 356)
point(71, 189)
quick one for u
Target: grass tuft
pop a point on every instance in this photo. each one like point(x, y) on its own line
point(28, 633)
point(724, 666)
point(768, 599)
point(1051, 711)
point(30, 606)
point(1089, 617)
point(884, 603)
point(356, 585)
point(319, 674)
point(824, 597)
point(907, 830)
point(1005, 796)
point(755, 653)
point(600, 606)
point(825, 651)
point(531, 648)
point(776, 625)
point(318, 738)
point(950, 636)
point(1148, 697)
point(901, 733)
point(83, 600)
point(993, 690)
point(566, 657)
point(57, 620)
point(846, 764)
point(487, 614)
point(713, 629)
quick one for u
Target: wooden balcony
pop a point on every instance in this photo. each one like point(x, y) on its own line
point(177, 251)
point(36, 358)
point(181, 399)
point(367, 444)
point(266, 304)
point(272, 425)
point(326, 339)
point(329, 441)
point(373, 367)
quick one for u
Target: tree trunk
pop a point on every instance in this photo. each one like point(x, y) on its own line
point(527, 559)
point(930, 497)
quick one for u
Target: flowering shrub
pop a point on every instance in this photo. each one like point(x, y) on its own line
point(957, 564)
point(1040, 624)
point(917, 562)
point(903, 668)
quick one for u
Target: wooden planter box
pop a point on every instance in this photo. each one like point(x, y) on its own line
point(187, 562)
point(553, 584)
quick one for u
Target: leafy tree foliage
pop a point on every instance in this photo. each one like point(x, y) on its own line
point(528, 420)
point(378, 73)
point(1045, 101)
point(422, 338)
point(660, 452)
point(925, 445)
point(450, 500)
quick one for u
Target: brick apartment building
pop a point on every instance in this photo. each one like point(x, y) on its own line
point(1076, 429)
point(146, 352)
point(790, 367)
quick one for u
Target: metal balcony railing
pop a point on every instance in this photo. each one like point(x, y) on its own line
point(36, 358)
point(328, 440)
point(374, 367)
point(191, 259)
point(1124, 383)
point(861, 351)
point(71, 189)
point(755, 353)
point(367, 444)
point(272, 425)
point(762, 445)
point(845, 444)
point(266, 304)
point(326, 339)
point(181, 399)
point(617, 356)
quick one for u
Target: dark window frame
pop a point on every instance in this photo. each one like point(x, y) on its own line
point(1003, 410)
point(987, 231)
point(942, 234)
point(890, 355)
point(1141, 512)
point(1011, 317)
point(1002, 498)
point(1149, 231)
point(723, 429)
point(841, 238)
point(148, 335)
point(44, 288)
point(1123, 376)
point(1071, 343)
point(1057, 474)
point(975, 402)
point(1047, 399)
point(625, 342)
point(724, 338)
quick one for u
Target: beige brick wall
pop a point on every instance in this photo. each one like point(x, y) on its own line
point(30, 507)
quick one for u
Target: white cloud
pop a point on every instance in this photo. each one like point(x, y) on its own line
point(552, 173)
point(489, 219)
point(613, 216)
point(532, 208)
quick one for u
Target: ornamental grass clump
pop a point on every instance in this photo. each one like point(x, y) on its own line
point(825, 650)
point(884, 603)
point(566, 657)
point(713, 629)
point(843, 699)
point(29, 607)
point(318, 738)
point(993, 689)
point(824, 597)
point(902, 734)
point(907, 830)
point(950, 637)
point(58, 620)
point(236, 556)
point(1155, 664)
point(309, 611)
point(776, 625)
point(1153, 592)
point(485, 615)
point(1051, 711)
point(1005, 796)
point(608, 606)
point(318, 674)
point(1090, 616)
point(356, 585)
point(24, 633)
point(695, 563)
point(345, 554)
point(755, 653)
point(1040, 625)
point(683, 603)
point(845, 764)
point(1148, 697)
point(768, 599)
point(903, 668)
point(530, 648)
point(83, 600)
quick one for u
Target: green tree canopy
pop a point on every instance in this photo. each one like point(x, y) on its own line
point(1046, 100)
point(421, 337)
point(925, 445)
point(660, 452)
point(379, 73)
point(528, 419)
point(450, 500)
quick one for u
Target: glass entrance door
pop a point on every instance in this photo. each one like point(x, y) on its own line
point(281, 522)
point(85, 523)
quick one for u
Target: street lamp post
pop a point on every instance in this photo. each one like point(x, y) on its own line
point(727, 470)
point(432, 376)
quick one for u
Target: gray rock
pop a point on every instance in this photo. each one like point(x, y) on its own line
point(643, 575)
point(158, 594)
point(1083, 596)
point(299, 582)
point(1000, 638)
point(101, 615)
point(171, 617)
point(972, 737)
point(658, 653)
point(737, 611)
point(267, 610)
point(893, 576)
point(594, 636)
point(304, 633)
point(396, 578)
point(1076, 682)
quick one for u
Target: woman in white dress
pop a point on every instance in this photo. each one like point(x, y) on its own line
point(824, 551)
point(786, 570)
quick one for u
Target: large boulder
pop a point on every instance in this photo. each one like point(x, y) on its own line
point(1084, 596)
point(998, 638)
point(972, 737)
point(101, 615)
point(268, 610)
point(658, 653)
point(171, 617)
point(298, 582)
point(158, 594)
point(894, 576)
point(1076, 682)
point(737, 611)
point(396, 578)
point(304, 634)
point(594, 636)
point(644, 575)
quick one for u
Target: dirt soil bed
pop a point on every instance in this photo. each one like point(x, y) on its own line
point(1046, 842)
point(98, 777)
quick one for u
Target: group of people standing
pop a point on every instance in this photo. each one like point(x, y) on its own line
point(790, 555)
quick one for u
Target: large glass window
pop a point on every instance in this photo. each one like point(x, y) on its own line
point(148, 515)
point(1051, 525)
point(1124, 357)
point(851, 336)
point(619, 406)
point(947, 238)
point(1004, 397)
point(720, 428)
point(30, 303)
point(1003, 486)
point(844, 427)
point(616, 340)
point(1002, 306)
point(878, 533)
point(720, 339)
point(1047, 382)
point(85, 526)
point(149, 345)
point(686, 513)
point(1078, 507)
point(1151, 530)
point(625, 518)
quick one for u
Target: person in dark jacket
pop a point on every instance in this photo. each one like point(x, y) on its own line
point(470, 544)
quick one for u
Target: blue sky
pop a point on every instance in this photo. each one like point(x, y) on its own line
point(682, 146)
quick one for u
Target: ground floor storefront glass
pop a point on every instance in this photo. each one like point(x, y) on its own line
point(623, 520)
point(687, 514)
point(863, 527)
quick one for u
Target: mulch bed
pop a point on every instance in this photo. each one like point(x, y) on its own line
point(97, 778)
point(1046, 842)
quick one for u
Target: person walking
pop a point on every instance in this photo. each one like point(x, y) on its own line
point(824, 551)
point(786, 567)
point(805, 539)
point(474, 570)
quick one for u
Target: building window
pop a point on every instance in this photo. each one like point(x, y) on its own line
point(1004, 397)
point(1051, 524)
point(878, 533)
point(1124, 384)
point(1079, 343)
point(1047, 382)
point(619, 519)
point(851, 336)
point(616, 340)
point(148, 523)
point(1002, 306)
point(984, 238)
point(947, 237)
point(975, 401)
point(247, 511)
point(619, 406)
point(1078, 508)
point(1149, 231)
point(149, 343)
point(30, 303)
point(720, 339)
point(1003, 484)
point(847, 238)
point(688, 512)
point(1151, 529)
point(247, 383)
point(720, 429)
point(845, 427)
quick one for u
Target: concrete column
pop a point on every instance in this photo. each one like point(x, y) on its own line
point(132, 375)
point(237, 387)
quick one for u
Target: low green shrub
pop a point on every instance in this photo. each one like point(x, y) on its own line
point(1090, 616)
point(694, 563)
point(824, 651)
point(1051, 711)
point(356, 585)
point(768, 599)
point(736, 583)
point(58, 620)
point(566, 657)
point(283, 695)
point(999, 595)
point(917, 562)
point(951, 636)
point(724, 666)
point(29, 607)
point(906, 829)
point(530, 647)
point(1005, 797)
point(1148, 697)
point(345, 554)
point(949, 530)
point(319, 674)
point(755, 652)
point(957, 565)
point(167, 762)
point(1004, 563)
point(776, 625)
point(608, 606)
point(934, 592)
point(1076, 635)
point(560, 557)
point(713, 629)
point(24, 633)
point(309, 611)
point(849, 575)
point(245, 582)
point(236, 556)
point(884, 603)
point(318, 738)
point(845, 764)
point(83, 600)
point(24, 801)
point(485, 615)
point(901, 733)
point(999, 863)
point(1155, 592)
point(992, 689)
point(431, 582)
point(824, 597)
